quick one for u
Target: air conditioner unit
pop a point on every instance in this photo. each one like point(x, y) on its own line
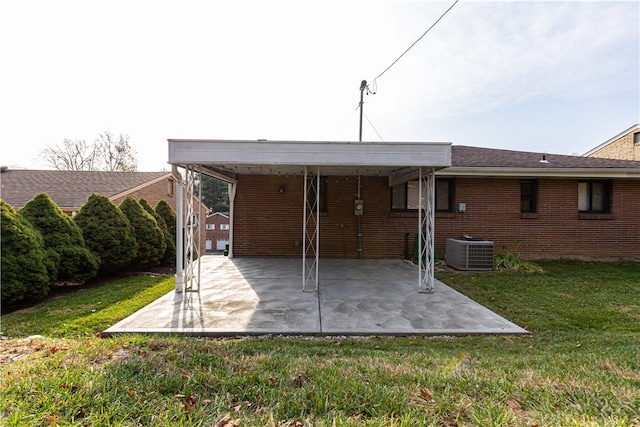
point(469, 254)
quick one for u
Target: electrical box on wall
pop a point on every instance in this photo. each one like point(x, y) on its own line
point(358, 207)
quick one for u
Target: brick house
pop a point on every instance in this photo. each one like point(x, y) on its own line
point(556, 206)
point(625, 146)
point(217, 226)
point(71, 189)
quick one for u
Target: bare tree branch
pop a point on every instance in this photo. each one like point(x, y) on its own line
point(106, 153)
point(116, 154)
point(70, 155)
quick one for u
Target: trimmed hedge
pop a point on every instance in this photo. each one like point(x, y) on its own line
point(149, 236)
point(107, 233)
point(63, 239)
point(24, 259)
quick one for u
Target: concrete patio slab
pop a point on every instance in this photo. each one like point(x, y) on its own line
point(258, 296)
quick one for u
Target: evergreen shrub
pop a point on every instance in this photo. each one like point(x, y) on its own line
point(62, 239)
point(107, 233)
point(24, 259)
point(149, 236)
point(169, 255)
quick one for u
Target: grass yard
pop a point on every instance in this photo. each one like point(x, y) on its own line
point(579, 367)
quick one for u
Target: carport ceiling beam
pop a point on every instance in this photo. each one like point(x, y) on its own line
point(223, 176)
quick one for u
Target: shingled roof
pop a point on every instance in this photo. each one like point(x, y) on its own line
point(70, 189)
point(489, 161)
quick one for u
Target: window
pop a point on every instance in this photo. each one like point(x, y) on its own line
point(211, 226)
point(322, 196)
point(636, 138)
point(224, 226)
point(171, 186)
point(594, 196)
point(405, 196)
point(529, 196)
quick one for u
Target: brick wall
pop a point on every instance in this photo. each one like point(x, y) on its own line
point(269, 223)
point(622, 148)
point(153, 193)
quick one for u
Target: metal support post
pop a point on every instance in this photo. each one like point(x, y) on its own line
point(179, 278)
point(193, 238)
point(311, 231)
point(426, 189)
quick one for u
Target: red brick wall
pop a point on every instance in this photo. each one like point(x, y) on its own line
point(154, 193)
point(269, 223)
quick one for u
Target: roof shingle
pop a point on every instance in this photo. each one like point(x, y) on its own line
point(69, 189)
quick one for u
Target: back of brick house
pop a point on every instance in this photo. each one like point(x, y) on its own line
point(558, 226)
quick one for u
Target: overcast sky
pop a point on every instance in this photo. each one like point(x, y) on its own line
point(557, 77)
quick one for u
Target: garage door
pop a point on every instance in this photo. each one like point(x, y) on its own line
point(221, 244)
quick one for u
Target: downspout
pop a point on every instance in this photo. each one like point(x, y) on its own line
point(232, 198)
point(179, 278)
point(363, 86)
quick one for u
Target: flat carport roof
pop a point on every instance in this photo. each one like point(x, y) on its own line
point(225, 158)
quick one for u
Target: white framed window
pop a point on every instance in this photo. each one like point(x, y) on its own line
point(211, 226)
point(224, 226)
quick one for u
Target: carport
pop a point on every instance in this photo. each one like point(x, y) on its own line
point(399, 162)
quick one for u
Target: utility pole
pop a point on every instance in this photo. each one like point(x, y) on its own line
point(363, 86)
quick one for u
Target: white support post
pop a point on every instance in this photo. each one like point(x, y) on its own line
point(426, 189)
point(311, 231)
point(232, 198)
point(193, 241)
point(179, 278)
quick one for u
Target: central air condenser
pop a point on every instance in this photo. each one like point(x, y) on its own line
point(465, 253)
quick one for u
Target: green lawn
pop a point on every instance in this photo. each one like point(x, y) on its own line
point(579, 367)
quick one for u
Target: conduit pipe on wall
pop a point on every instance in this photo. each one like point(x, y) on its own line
point(358, 224)
point(179, 278)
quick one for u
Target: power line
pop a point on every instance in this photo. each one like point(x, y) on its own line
point(374, 128)
point(414, 43)
point(346, 122)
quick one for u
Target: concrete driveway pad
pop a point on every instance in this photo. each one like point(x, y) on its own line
point(258, 296)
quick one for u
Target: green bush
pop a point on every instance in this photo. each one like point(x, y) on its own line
point(62, 239)
point(169, 256)
point(107, 233)
point(151, 244)
point(510, 261)
point(166, 212)
point(24, 259)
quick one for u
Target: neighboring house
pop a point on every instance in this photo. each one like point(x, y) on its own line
point(624, 146)
point(217, 227)
point(71, 189)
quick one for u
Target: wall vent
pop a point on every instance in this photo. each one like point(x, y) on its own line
point(469, 254)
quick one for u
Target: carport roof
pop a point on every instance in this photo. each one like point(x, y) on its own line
point(228, 157)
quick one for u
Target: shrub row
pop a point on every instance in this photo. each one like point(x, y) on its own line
point(42, 245)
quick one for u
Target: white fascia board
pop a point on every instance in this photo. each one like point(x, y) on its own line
point(227, 152)
point(538, 172)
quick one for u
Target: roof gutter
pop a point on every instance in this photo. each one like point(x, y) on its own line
point(540, 172)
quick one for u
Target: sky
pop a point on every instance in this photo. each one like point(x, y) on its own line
point(552, 77)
